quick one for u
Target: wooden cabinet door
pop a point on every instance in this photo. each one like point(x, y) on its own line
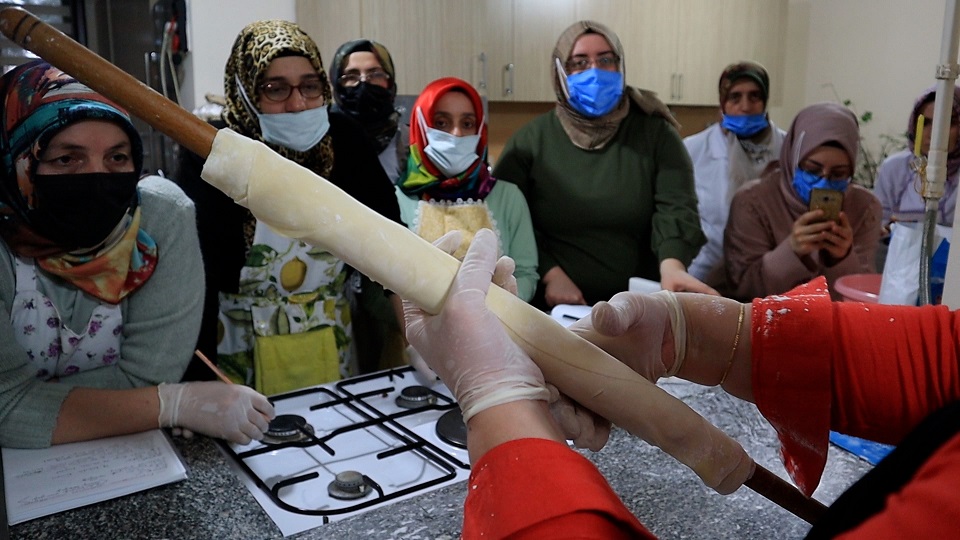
point(492, 48)
point(536, 27)
point(330, 23)
point(716, 34)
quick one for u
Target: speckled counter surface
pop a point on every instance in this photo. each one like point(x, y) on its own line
point(664, 494)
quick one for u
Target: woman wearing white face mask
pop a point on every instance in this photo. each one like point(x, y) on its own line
point(277, 314)
point(447, 184)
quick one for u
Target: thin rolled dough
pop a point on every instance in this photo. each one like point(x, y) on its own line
point(299, 204)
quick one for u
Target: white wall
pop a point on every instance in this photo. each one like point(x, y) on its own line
point(878, 53)
point(211, 29)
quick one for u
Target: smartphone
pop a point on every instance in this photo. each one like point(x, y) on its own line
point(828, 200)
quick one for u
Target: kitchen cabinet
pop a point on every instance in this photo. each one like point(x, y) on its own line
point(427, 39)
point(676, 48)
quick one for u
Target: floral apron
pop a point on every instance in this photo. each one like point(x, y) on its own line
point(289, 325)
point(55, 350)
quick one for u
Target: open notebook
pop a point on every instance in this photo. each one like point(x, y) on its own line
point(40, 482)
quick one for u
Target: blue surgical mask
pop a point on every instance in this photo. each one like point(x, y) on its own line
point(298, 131)
point(595, 92)
point(746, 125)
point(451, 154)
point(804, 183)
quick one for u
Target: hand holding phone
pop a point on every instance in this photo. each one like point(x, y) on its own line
point(828, 200)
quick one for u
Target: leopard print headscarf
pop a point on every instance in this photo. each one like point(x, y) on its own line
point(255, 47)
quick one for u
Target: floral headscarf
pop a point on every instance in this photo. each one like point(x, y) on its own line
point(380, 122)
point(595, 133)
point(929, 95)
point(422, 177)
point(39, 101)
point(814, 126)
point(255, 47)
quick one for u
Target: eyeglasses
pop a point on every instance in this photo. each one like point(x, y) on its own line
point(606, 61)
point(372, 77)
point(841, 173)
point(279, 91)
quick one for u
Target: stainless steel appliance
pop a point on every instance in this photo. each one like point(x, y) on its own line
point(339, 449)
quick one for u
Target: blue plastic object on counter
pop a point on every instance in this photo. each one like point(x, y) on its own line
point(870, 451)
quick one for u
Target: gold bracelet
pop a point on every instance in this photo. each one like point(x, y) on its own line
point(736, 341)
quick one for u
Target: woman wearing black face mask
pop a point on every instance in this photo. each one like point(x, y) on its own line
point(364, 87)
point(100, 278)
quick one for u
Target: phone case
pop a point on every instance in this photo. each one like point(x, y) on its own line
point(828, 200)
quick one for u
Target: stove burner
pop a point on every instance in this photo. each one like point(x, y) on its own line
point(415, 397)
point(451, 428)
point(348, 485)
point(287, 428)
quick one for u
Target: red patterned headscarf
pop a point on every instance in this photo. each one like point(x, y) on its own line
point(39, 100)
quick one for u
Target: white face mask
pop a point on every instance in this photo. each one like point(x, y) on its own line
point(299, 131)
point(451, 154)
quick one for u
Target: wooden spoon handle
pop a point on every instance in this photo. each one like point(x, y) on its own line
point(24, 29)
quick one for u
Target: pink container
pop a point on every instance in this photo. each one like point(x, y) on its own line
point(859, 287)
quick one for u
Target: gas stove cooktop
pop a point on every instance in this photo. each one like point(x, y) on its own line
point(336, 450)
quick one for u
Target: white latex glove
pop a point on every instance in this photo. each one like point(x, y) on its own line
point(425, 375)
point(584, 427)
point(465, 343)
point(502, 277)
point(644, 331)
point(233, 412)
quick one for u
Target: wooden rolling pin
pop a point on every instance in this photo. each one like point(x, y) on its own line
point(313, 210)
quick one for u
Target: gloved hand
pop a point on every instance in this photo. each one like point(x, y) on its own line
point(465, 343)
point(584, 427)
point(502, 277)
point(644, 331)
point(233, 412)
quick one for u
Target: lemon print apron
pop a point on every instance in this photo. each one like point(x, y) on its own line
point(289, 325)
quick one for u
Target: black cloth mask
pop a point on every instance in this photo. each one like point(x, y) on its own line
point(366, 102)
point(81, 210)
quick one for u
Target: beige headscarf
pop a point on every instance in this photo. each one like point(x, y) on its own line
point(595, 133)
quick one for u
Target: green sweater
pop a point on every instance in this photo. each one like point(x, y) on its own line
point(606, 215)
point(512, 217)
point(160, 322)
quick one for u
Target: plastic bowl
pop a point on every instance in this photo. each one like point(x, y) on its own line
point(859, 287)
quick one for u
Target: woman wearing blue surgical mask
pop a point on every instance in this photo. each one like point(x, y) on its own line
point(609, 184)
point(277, 313)
point(727, 155)
point(448, 186)
point(773, 241)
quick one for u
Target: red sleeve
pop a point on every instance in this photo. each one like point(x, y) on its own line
point(927, 507)
point(537, 488)
point(791, 375)
point(873, 371)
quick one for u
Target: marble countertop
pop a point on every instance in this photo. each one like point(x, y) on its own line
point(666, 496)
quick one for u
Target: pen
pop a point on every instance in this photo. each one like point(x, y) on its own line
point(220, 375)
